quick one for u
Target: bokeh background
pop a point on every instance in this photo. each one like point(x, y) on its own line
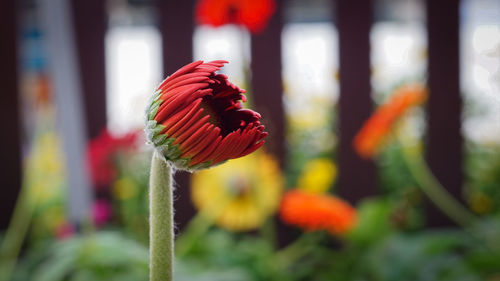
point(422, 204)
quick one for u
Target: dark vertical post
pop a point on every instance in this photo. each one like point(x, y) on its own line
point(176, 27)
point(267, 93)
point(444, 144)
point(10, 141)
point(90, 27)
point(267, 88)
point(357, 176)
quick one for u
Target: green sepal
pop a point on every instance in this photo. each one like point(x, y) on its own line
point(153, 109)
point(152, 129)
point(201, 166)
point(160, 139)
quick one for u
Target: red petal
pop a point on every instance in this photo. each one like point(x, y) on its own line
point(219, 154)
point(183, 77)
point(186, 117)
point(252, 148)
point(198, 136)
point(185, 69)
point(191, 130)
point(181, 130)
point(175, 103)
point(202, 157)
point(202, 144)
point(174, 119)
point(186, 81)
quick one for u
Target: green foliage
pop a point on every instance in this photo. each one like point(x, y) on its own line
point(426, 256)
point(99, 256)
point(482, 172)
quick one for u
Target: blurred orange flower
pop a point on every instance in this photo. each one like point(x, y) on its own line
point(312, 211)
point(253, 14)
point(376, 128)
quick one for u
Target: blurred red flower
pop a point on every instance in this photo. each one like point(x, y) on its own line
point(253, 14)
point(377, 127)
point(312, 211)
point(102, 151)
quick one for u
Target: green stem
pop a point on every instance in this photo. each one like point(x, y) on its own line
point(433, 188)
point(161, 216)
point(299, 248)
point(16, 232)
point(268, 231)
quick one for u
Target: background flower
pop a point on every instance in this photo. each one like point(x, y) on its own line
point(253, 14)
point(241, 194)
point(318, 175)
point(102, 152)
point(376, 128)
point(312, 212)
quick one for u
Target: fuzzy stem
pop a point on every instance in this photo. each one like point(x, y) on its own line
point(161, 218)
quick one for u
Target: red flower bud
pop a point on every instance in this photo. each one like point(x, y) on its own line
point(195, 118)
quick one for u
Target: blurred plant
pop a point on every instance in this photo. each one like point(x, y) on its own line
point(377, 128)
point(42, 190)
point(252, 14)
point(118, 164)
point(482, 170)
point(103, 152)
point(99, 256)
point(310, 135)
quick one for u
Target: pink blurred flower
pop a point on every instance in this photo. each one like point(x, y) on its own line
point(101, 212)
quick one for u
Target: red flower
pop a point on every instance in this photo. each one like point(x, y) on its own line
point(253, 14)
point(378, 126)
point(195, 119)
point(102, 151)
point(313, 211)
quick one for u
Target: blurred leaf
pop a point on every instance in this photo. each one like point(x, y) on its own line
point(100, 256)
point(373, 221)
point(427, 256)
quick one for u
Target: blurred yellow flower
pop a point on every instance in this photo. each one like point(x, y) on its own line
point(241, 194)
point(44, 169)
point(318, 176)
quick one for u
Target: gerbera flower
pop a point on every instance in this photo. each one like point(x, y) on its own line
point(240, 195)
point(195, 119)
point(312, 211)
point(253, 14)
point(378, 126)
